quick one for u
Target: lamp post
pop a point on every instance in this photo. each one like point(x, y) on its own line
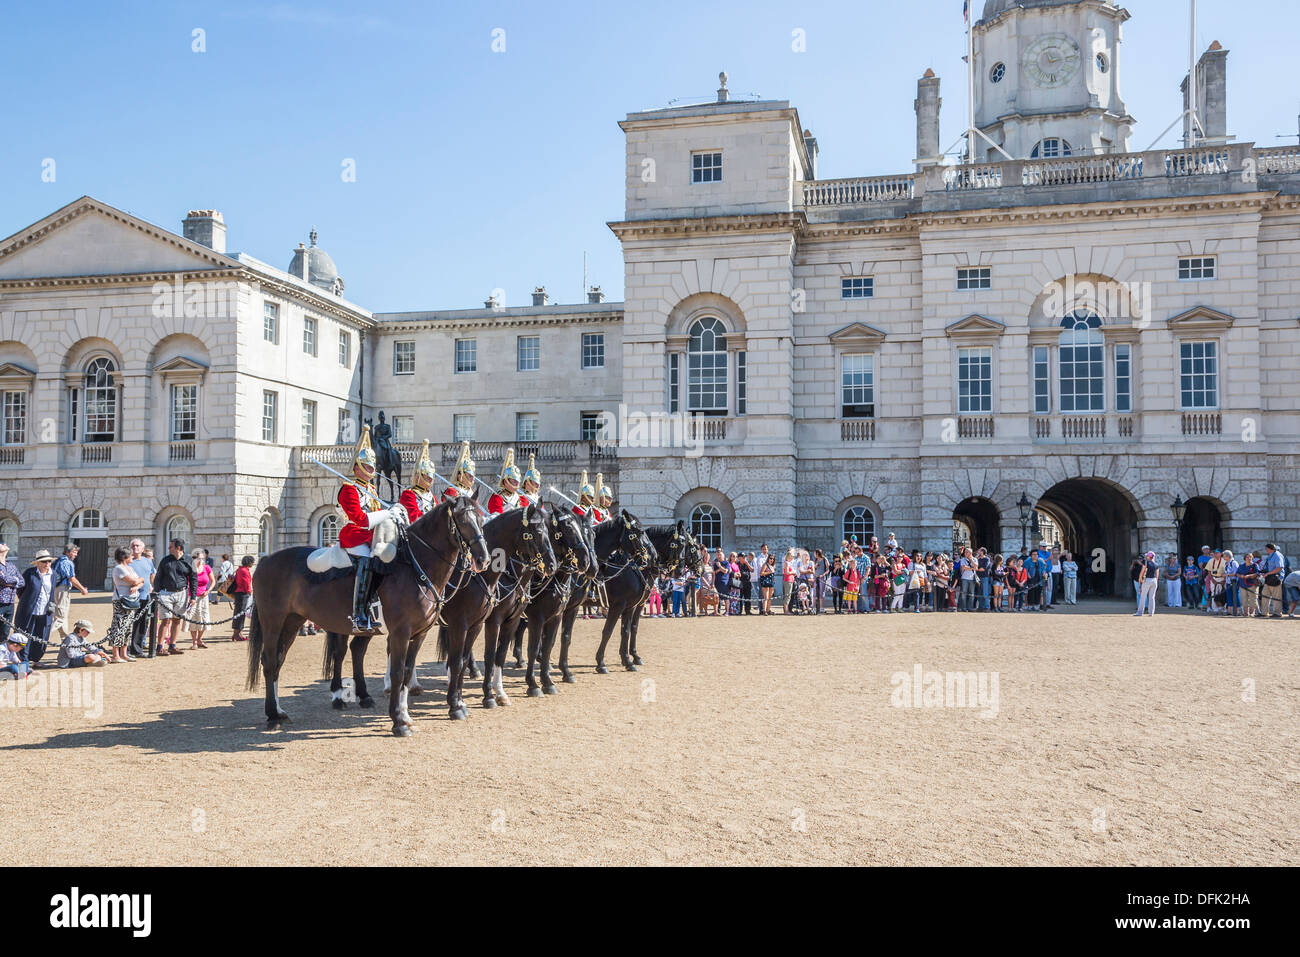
point(1179, 508)
point(1024, 505)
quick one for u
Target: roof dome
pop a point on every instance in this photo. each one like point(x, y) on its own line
point(993, 8)
point(321, 270)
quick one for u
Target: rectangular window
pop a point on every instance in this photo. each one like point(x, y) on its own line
point(15, 418)
point(462, 427)
point(674, 379)
point(404, 358)
point(271, 322)
point(706, 167)
point(184, 412)
point(590, 426)
point(344, 435)
point(345, 348)
point(857, 287)
point(528, 352)
point(975, 380)
point(1194, 268)
point(1123, 378)
point(526, 427)
point(593, 350)
point(269, 402)
point(975, 277)
point(1042, 381)
point(308, 422)
point(309, 335)
point(403, 428)
point(466, 355)
point(1198, 374)
point(740, 383)
point(857, 387)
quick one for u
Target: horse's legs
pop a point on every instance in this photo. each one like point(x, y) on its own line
point(336, 649)
point(636, 623)
point(359, 645)
point(606, 630)
point(566, 638)
point(535, 625)
point(490, 671)
point(273, 653)
point(548, 642)
point(398, 646)
point(455, 638)
point(503, 648)
point(519, 641)
point(625, 637)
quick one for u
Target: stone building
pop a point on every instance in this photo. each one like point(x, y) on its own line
point(1062, 331)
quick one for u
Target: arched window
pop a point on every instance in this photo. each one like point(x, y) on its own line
point(327, 529)
point(706, 368)
point(88, 520)
point(1082, 363)
point(100, 387)
point(858, 521)
point(1050, 148)
point(9, 531)
point(706, 526)
point(266, 535)
point(178, 526)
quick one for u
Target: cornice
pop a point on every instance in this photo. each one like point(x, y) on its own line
point(494, 322)
point(1128, 209)
point(704, 225)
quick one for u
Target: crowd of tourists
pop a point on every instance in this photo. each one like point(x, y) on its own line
point(1258, 585)
point(154, 605)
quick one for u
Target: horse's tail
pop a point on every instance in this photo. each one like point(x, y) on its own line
point(254, 650)
point(442, 642)
point(336, 646)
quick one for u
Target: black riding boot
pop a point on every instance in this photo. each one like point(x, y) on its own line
point(361, 623)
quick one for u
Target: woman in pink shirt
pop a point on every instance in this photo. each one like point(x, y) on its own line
point(198, 609)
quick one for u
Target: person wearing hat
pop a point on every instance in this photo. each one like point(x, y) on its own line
point(419, 498)
point(1148, 578)
point(36, 603)
point(604, 499)
point(462, 480)
point(13, 664)
point(364, 510)
point(77, 651)
point(532, 483)
point(507, 493)
point(586, 497)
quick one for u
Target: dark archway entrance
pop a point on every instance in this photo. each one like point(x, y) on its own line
point(1202, 525)
point(1098, 523)
point(977, 523)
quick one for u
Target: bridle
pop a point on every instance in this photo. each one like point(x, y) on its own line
point(423, 581)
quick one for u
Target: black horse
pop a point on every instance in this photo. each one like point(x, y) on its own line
point(576, 559)
point(627, 589)
point(411, 590)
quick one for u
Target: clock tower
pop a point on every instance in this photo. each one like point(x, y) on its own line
point(1047, 78)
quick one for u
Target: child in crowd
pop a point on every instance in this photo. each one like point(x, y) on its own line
point(655, 605)
point(12, 663)
point(76, 650)
point(679, 593)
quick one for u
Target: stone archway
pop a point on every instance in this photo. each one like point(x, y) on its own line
point(1098, 521)
point(1202, 525)
point(982, 521)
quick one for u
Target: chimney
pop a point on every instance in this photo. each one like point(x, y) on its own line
point(492, 302)
point(1211, 97)
point(810, 144)
point(723, 95)
point(301, 260)
point(206, 227)
point(539, 296)
point(594, 294)
point(927, 121)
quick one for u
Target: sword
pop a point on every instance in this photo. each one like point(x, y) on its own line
point(562, 495)
point(316, 461)
point(480, 508)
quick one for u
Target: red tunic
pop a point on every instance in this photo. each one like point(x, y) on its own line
point(450, 492)
point(410, 500)
point(497, 503)
point(599, 515)
point(579, 511)
point(357, 500)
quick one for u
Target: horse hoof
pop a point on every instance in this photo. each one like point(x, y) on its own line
point(366, 702)
point(519, 662)
point(489, 703)
point(475, 674)
point(551, 689)
point(282, 716)
point(338, 704)
point(534, 692)
point(636, 660)
point(601, 670)
point(458, 714)
point(629, 666)
point(503, 701)
point(403, 730)
point(414, 690)
point(570, 679)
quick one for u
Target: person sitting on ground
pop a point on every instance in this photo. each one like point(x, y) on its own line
point(13, 664)
point(76, 651)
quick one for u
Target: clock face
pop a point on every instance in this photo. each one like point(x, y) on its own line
point(1052, 60)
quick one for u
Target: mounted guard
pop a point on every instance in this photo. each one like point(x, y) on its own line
point(586, 497)
point(532, 484)
point(507, 494)
point(420, 497)
point(462, 480)
point(604, 499)
point(364, 509)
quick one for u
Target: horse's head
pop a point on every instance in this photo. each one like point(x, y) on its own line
point(566, 531)
point(692, 558)
point(467, 530)
point(635, 541)
point(536, 543)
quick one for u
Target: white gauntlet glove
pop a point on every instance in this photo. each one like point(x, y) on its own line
point(400, 515)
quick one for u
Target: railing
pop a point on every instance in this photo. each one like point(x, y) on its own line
point(1074, 170)
point(858, 430)
point(12, 455)
point(1202, 423)
point(977, 176)
point(1083, 427)
point(97, 453)
point(975, 427)
point(1278, 159)
point(707, 429)
point(564, 450)
point(181, 452)
point(850, 192)
point(1042, 427)
point(1197, 162)
point(1125, 426)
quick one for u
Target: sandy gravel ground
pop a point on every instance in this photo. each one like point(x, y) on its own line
point(772, 740)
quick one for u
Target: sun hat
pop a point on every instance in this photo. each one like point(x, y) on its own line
point(1151, 554)
point(42, 556)
point(81, 623)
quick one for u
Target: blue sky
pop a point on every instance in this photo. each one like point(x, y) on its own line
point(478, 170)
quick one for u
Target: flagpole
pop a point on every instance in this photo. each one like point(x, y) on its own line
point(970, 87)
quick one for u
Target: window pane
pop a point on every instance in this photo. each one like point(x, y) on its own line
point(857, 387)
point(529, 352)
point(593, 350)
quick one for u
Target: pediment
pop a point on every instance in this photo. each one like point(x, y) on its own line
point(182, 364)
point(1200, 318)
point(12, 370)
point(90, 238)
point(975, 325)
point(857, 333)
